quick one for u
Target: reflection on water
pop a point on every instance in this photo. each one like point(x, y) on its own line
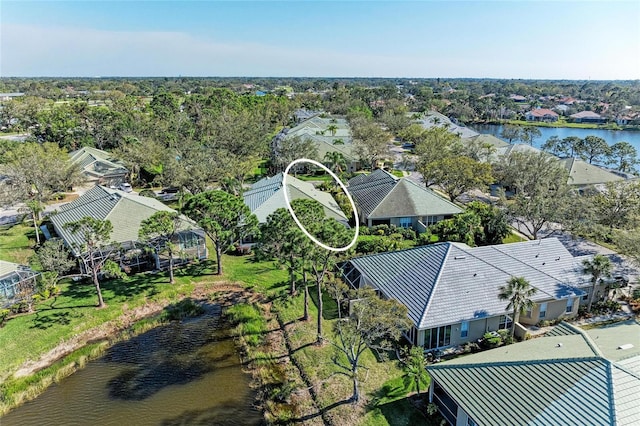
point(184, 373)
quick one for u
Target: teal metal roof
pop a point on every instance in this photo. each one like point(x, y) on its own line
point(566, 377)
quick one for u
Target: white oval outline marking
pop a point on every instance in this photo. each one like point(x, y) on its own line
point(297, 221)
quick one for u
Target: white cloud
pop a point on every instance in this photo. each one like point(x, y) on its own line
point(27, 50)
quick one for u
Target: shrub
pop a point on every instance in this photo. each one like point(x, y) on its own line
point(185, 308)
point(4, 315)
point(432, 409)
point(491, 340)
point(147, 193)
point(19, 307)
point(636, 293)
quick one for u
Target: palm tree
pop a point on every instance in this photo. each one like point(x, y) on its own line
point(600, 266)
point(518, 292)
point(332, 128)
point(336, 161)
point(415, 372)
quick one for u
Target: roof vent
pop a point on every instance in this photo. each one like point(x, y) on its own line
point(458, 257)
point(558, 258)
point(625, 346)
point(559, 345)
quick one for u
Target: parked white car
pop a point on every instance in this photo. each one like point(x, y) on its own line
point(125, 187)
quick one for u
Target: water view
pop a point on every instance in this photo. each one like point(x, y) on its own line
point(611, 136)
point(178, 374)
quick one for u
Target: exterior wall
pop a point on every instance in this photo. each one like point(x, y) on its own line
point(555, 309)
point(600, 293)
point(417, 222)
point(477, 328)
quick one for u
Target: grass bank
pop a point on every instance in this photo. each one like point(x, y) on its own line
point(298, 381)
point(14, 391)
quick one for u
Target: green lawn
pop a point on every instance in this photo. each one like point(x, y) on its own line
point(564, 123)
point(73, 311)
point(513, 238)
point(381, 385)
point(16, 243)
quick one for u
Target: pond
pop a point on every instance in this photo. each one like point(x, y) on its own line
point(183, 373)
point(611, 136)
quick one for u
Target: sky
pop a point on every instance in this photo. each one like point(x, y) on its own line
point(597, 40)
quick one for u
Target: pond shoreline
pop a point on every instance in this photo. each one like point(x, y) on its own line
point(33, 377)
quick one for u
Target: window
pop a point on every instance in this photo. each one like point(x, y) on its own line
point(543, 310)
point(437, 337)
point(505, 322)
point(471, 422)
point(569, 305)
point(528, 313)
point(430, 220)
point(464, 329)
point(585, 297)
point(405, 222)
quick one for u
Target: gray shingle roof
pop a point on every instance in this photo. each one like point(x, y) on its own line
point(381, 195)
point(96, 162)
point(561, 378)
point(583, 173)
point(368, 191)
point(447, 283)
point(408, 199)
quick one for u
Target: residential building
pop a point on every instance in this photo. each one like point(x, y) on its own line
point(99, 166)
point(571, 377)
point(435, 119)
point(587, 117)
point(126, 211)
point(583, 174)
point(384, 199)
point(267, 195)
point(541, 114)
point(517, 98)
point(451, 290)
point(15, 281)
point(327, 134)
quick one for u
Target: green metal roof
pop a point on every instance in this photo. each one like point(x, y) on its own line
point(569, 377)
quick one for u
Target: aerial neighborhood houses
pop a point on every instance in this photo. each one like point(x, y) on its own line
point(328, 135)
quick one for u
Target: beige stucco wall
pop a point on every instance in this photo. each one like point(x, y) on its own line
point(477, 329)
point(555, 309)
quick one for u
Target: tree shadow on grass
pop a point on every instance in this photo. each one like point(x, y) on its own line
point(44, 322)
point(329, 306)
point(321, 412)
point(202, 268)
